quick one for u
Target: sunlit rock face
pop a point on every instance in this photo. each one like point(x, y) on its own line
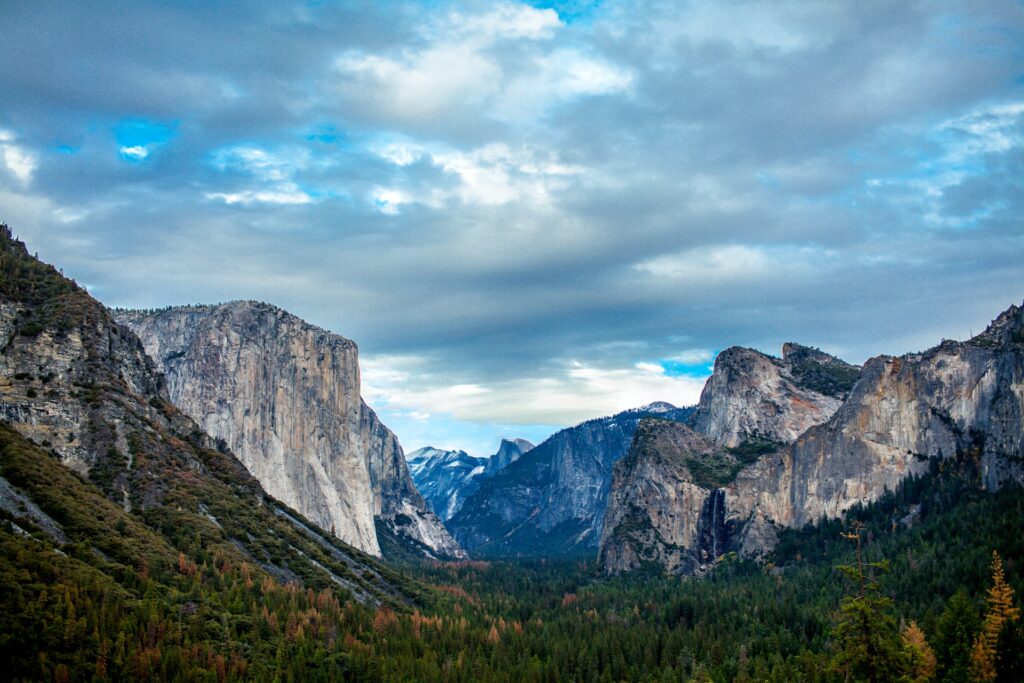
point(678, 501)
point(285, 397)
point(753, 394)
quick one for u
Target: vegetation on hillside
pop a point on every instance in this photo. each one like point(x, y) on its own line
point(120, 600)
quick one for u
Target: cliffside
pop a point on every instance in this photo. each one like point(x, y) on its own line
point(963, 400)
point(956, 400)
point(82, 390)
point(284, 395)
point(751, 394)
point(551, 501)
point(508, 452)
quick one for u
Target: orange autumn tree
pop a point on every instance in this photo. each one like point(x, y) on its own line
point(1001, 612)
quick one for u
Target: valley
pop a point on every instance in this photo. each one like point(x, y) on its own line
point(201, 492)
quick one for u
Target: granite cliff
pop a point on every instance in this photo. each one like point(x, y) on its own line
point(285, 397)
point(751, 394)
point(957, 400)
point(77, 389)
point(551, 501)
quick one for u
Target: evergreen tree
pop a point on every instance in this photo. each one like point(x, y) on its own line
point(955, 632)
point(867, 640)
point(920, 658)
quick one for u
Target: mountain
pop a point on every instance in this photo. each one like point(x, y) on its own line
point(445, 477)
point(753, 395)
point(551, 501)
point(680, 502)
point(508, 452)
point(284, 396)
point(99, 466)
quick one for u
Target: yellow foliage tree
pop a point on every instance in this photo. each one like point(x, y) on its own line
point(921, 658)
point(1001, 612)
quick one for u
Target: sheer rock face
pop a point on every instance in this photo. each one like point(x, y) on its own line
point(657, 513)
point(284, 396)
point(963, 399)
point(82, 387)
point(508, 452)
point(753, 394)
point(551, 501)
point(955, 399)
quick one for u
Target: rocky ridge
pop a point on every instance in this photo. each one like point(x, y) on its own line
point(751, 394)
point(551, 501)
point(75, 383)
point(447, 478)
point(957, 400)
point(285, 396)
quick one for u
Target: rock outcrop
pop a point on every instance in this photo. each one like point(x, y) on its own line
point(285, 397)
point(963, 400)
point(508, 452)
point(959, 399)
point(751, 394)
point(80, 386)
point(551, 501)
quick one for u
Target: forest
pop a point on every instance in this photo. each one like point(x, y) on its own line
point(922, 585)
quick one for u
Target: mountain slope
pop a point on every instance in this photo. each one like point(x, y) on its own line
point(80, 386)
point(445, 478)
point(284, 395)
point(551, 501)
point(957, 400)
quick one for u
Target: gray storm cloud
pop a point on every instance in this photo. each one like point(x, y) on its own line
point(530, 212)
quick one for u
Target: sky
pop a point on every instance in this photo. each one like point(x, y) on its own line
point(529, 214)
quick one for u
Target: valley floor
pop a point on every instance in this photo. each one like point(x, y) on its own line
point(77, 615)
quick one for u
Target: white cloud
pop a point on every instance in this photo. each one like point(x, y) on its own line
point(135, 152)
point(693, 356)
point(994, 129)
point(388, 200)
point(20, 162)
point(418, 86)
point(272, 171)
point(278, 196)
point(459, 71)
point(504, 21)
point(578, 392)
point(721, 263)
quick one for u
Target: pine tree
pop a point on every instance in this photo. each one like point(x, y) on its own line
point(955, 631)
point(867, 641)
point(1001, 614)
point(921, 659)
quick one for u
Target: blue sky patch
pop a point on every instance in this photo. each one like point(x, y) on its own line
point(674, 368)
point(570, 11)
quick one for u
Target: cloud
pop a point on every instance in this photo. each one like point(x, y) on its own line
point(134, 153)
point(19, 162)
point(559, 210)
point(575, 392)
